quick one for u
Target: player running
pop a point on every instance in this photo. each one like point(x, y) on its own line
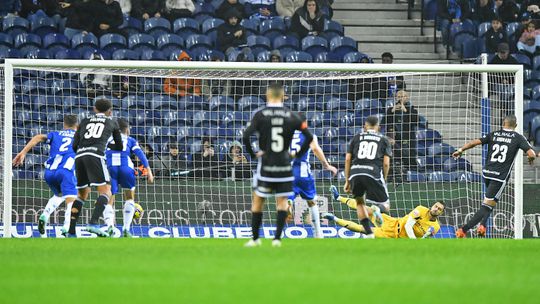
point(503, 146)
point(367, 163)
point(275, 125)
point(59, 170)
point(304, 184)
point(90, 142)
point(422, 222)
point(122, 173)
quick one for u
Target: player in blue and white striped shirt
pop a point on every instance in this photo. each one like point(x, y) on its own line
point(59, 170)
point(122, 173)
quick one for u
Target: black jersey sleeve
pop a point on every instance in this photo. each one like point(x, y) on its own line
point(250, 130)
point(76, 139)
point(388, 147)
point(523, 143)
point(486, 139)
point(351, 144)
point(117, 137)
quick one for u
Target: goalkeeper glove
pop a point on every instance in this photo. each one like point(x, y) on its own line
point(429, 233)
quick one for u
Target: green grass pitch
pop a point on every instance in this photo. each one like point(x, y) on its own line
point(159, 271)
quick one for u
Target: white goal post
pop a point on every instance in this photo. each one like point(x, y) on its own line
point(423, 81)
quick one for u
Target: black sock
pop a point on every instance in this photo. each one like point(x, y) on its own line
point(486, 216)
point(280, 223)
point(366, 223)
point(101, 201)
point(76, 209)
point(484, 211)
point(256, 221)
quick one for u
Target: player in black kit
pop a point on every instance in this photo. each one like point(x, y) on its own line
point(503, 146)
point(367, 163)
point(90, 143)
point(275, 125)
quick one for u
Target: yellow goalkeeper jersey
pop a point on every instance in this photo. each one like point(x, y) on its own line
point(423, 222)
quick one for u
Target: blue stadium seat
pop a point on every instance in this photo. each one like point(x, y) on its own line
point(203, 11)
point(141, 42)
point(234, 119)
point(536, 93)
point(415, 177)
point(258, 44)
point(439, 148)
point(112, 42)
point(286, 42)
point(124, 54)
point(186, 27)
point(84, 40)
point(469, 49)
point(304, 103)
point(198, 43)
point(523, 59)
point(209, 27)
point(162, 102)
point(43, 25)
point(460, 164)
point(250, 103)
point(34, 86)
point(314, 45)
point(483, 28)
point(221, 103)
point(511, 29)
point(272, 28)
point(251, 26)
point(55, 41)
point(131, 25)
point(263, 56)
point(425, 138)
point(355, 57)
point(25, 41)
point(315, 119)
point(209, 54)
point(334, 103)
point(37, 54)
point(6, 40)
point(331, 26)
point(439, 176)
point(169, 42)
point(342, 45)
point(133, 102)
point(461, 39)
point(422, 122)
point(371, 107)
point(298, 57)
point(192, 102)
point(157, 26)
point(33, 161)
point(535, 127)
point(322, 57)
point(153, 55)
point(232, 56)
point(15, 25)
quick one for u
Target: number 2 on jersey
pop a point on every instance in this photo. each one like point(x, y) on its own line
point(499, 153)
point(367, 150)
point(94, 130)
point(66, 141)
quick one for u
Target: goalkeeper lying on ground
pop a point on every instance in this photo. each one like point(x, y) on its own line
point(419, 223)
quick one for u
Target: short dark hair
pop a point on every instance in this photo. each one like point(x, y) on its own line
point(372, 121)
point(302, 116)
point(173, 146)
point(123, 124)
point(440, 202)
point(387, 54)
point(511, 120)
point(70, 120)
point(275, 89)
point(103, 105)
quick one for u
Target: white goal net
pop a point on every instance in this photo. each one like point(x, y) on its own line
point(189, 118)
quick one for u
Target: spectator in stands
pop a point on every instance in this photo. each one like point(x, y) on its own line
point(503, 55)
point(507, 10)
point(231, 34)
point(47, 7)
point(326, 8)
point(172, 164)
point(533, 8)
point(126, 6)
point(10, 7)
point(393, 83)
point(96, 84)
point(123, 85)
point(79, 18)
point(181, 86)
point(206, 162)
point(226, 5)
point(495, 35)
point(275, 56)
point(451, 12)
point(287, 8)
point(307, 20)
point(107, 16)
point(527, 40)
point(29, 7)
point(175, 9)
point(377, 87)
point(263, 9)
point(216, 86)
point(401, 122)
point(484, 11)
point(525, 19)
point(237, 166)
point(146, 9)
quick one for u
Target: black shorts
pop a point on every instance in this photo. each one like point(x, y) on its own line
point(494, 189)
point(91, 171)
point(374, 189)
point(277, 189)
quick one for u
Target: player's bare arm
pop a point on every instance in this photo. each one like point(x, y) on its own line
point(347, 186)
point(531, 156)
point(316, 148)
point(19, 158)
point(467, 146)
point(386, 166)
